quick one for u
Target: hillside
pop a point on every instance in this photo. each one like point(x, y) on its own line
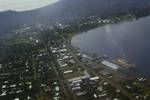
point(68, 9)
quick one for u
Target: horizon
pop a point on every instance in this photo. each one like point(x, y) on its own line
point(24, 5)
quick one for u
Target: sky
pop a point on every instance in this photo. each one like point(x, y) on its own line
point(22, 5)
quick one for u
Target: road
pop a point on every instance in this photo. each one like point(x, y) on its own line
point(73, 53)
point(59, 75)
point(56, 69)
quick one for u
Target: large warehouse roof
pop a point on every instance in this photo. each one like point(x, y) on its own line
point(110, 64)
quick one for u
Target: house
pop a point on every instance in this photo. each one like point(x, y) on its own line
point(94, 78)
point(67, 72)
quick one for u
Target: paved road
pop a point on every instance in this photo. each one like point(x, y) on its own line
point(71, 50)
point(57, 71)
point(59, 76)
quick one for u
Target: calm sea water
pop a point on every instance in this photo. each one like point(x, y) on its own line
point(129, 39)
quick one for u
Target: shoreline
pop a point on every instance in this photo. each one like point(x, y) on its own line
point(132, 70)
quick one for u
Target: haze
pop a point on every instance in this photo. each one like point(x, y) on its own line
point(22, 5)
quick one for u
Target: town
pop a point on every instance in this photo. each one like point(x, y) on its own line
point(40, 64)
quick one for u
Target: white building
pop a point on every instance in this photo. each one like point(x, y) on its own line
point(110, 65)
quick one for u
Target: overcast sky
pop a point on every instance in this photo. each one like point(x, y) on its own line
point(21, 5)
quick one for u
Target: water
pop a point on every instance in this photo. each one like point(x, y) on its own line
point(130, 40)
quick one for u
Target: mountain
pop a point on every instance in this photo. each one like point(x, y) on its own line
point(68, 9)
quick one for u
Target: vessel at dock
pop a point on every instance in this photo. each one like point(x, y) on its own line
point(124, 63)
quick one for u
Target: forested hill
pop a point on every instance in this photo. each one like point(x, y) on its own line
point(68, 9)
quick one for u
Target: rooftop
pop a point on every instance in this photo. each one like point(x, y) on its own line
point(110, 64)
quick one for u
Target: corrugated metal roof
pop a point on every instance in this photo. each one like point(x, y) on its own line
point(110, 64)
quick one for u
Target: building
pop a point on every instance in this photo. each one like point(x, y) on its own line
point(110, 65)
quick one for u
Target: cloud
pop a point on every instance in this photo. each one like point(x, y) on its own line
point(21, 5)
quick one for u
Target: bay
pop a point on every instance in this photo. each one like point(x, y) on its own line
point(128, 39)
